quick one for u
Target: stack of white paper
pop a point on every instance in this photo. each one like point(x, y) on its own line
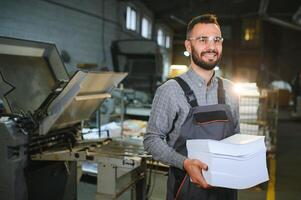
point(251, 129)
point(248, 101)
point(236, 162)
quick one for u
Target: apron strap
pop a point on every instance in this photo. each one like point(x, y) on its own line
point(191, 99)
point(221, 92)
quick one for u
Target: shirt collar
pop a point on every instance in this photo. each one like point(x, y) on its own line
point(200, 80)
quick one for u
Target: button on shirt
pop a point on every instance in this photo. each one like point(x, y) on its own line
point(170, 109)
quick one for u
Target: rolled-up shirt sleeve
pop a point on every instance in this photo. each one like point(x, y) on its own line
point(161, 121)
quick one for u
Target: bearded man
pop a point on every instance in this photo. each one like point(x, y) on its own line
point(196, 105)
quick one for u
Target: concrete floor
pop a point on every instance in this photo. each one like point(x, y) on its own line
point(86, 190)
point(288, 161)
point(288, 173)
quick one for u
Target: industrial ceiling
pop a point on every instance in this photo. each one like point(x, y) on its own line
point(177, 13)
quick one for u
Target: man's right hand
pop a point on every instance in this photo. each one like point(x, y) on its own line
point(193, 168)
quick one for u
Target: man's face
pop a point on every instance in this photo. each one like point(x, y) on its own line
point(205, 45)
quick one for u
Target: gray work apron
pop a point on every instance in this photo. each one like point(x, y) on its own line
point(203, 122)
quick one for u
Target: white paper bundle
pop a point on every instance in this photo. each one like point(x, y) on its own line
point(236, 162)
point(248, 109)
point(246, 101)
point(251, 129)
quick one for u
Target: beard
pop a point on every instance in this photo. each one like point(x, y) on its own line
point(202, 63)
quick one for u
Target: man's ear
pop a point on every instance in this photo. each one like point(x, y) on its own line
point(188, 46)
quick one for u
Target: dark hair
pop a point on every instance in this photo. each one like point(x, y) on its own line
point(203, 19)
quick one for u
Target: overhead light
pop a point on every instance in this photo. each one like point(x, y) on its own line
point(186, 53)
point(249, 89)
point(176, 70)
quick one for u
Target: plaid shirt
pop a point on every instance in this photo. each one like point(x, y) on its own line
point(170, 100)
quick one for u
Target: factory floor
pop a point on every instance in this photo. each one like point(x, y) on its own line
point(284, 168)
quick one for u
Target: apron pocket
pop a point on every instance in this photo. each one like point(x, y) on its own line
point(201, 118)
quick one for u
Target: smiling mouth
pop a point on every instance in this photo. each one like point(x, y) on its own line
point(209, 55)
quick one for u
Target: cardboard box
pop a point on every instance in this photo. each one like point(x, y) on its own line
point(283, 97)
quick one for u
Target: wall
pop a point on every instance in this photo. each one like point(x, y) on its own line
point(84, 29)
point(276, 57)
point(287, 61)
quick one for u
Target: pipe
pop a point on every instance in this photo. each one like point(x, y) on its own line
point(282, 23)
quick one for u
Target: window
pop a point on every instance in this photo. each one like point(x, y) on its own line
point(131, 18)
point(167, 41)
point(146, 28)
point(160, 37)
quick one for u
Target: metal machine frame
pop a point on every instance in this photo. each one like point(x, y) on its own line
point(40, 140)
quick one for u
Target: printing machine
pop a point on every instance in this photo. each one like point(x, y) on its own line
point(40, 133)
point(144, 63)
